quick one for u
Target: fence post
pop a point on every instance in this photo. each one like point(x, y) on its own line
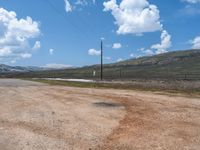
point(120, 73)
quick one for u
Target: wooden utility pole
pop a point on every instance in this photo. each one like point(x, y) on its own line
point(101, 60)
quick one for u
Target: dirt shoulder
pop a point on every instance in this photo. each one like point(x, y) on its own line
point(175, 88)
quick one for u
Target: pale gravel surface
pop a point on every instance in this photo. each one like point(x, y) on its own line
point(36, 116)
point(17, 82)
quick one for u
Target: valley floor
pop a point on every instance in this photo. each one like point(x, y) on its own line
point(37, 116)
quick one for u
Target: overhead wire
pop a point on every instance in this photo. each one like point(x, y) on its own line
point(71, 23)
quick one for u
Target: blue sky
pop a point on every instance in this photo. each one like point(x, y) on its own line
point(67, 32)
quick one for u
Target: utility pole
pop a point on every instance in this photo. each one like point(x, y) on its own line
point(101, 60)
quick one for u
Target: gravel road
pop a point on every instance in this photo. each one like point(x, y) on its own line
point(35, 116)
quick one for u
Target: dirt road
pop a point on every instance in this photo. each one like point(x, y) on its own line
point(36, 116)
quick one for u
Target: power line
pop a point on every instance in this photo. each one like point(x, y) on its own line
point(69, 22)
point(86, 23)
point(77, 28)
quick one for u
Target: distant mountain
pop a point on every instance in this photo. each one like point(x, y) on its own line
point(17, 69)
point(12, 69)
point(171, 65)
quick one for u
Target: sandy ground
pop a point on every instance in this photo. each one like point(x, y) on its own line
point(36, 116)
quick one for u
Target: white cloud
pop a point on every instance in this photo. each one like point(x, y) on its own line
point(107, 58)
point(37, 45)
point(51, 51)
point(116, 45)
point(134, 16)
point(71, 5)
point(94, 52)
point(26, 55)
point(102, 38)
point(195, 43)
point(191, 1)
point(13, 61)
point(165, 43)
point(141, 49)
point(81, 2)
point(15, 36)
point(190, 10)
point(148, 52)
point(68, 6)
point(119, 60)
point(57, 66)
point(132, 55)
point(84, 2)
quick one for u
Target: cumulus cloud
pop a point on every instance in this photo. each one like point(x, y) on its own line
point(116, 45)
point(195, 43)
point(191, 1)
point(94, 52)
point(189, 10)
point(165, 43)
point(132, 55)
point(134, 16)
point(107, 58)
point(68, 6)
point(141, 49)
point(13, 61)
point(37, 45)
point(81, 2)
point(51, 51)
point(84, 2)
point(26, 55)
point(71, 5)
point(15, 36)
point(119, 60)
point(57, 66)
point(148, 52)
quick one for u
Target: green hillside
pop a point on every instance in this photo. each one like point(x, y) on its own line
point(172, 65)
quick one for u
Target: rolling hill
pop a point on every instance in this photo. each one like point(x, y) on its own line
point(171, 65)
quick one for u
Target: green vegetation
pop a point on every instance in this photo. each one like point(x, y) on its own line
point(155, 86)
point(173, 65)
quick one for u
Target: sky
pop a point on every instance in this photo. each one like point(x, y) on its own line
point(66, 33)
